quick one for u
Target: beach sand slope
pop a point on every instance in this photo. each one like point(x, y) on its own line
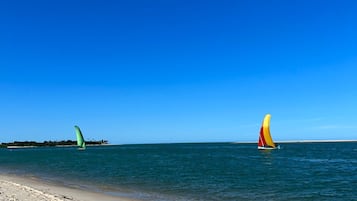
point(13, 188)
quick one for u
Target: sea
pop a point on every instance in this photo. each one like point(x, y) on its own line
point(196, 171)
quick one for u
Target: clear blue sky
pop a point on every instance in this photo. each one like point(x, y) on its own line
point(177, 71)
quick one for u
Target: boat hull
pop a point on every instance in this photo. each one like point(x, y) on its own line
point(268, 148)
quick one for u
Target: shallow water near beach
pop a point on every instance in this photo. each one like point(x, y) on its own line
point(202, 171)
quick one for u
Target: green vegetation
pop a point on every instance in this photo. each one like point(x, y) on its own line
point(50, 143)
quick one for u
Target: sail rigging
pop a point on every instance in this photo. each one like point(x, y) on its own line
point(80, 140)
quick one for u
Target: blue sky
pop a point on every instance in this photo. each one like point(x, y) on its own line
point(177, 71)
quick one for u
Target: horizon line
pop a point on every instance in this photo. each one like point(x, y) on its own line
point(302, 141)
point(238, 142)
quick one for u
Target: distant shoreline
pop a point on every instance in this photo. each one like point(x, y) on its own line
point(311, 141)
point(300, 141)
point(60, 146)
point(237, 142)
point(167, 143)
point(63, 143)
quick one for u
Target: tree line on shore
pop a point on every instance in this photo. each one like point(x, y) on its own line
point(50, 143)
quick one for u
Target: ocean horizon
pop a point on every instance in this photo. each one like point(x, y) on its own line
point(196, 171)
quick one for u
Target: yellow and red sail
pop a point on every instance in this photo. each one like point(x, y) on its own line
point(265, 139)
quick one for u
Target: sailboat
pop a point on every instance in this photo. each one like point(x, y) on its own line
point(80, 140)
point(265, 139)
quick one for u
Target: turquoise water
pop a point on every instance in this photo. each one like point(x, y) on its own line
point(212, 171)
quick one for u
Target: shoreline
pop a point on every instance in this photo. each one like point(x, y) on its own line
point(13, 187)
point(297, 141)
point(168, 143)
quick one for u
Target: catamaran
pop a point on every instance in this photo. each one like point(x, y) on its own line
point(265, 139)
point(80, 140)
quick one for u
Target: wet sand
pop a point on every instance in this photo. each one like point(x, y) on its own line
point(16, 188)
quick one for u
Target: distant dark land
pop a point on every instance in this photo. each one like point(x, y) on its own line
point(17, 144)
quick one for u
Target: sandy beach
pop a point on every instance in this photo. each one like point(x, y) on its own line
point(15, 188)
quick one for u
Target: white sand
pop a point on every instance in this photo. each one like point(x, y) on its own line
point(13, 188)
